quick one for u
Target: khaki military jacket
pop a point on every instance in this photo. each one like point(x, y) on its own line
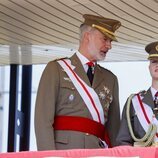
point(124, 136)
point(57, 96)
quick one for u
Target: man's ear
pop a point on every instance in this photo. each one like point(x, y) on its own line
point(86, 36)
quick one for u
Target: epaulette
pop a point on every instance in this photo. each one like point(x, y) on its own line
point(142, 92)
point(57, 59)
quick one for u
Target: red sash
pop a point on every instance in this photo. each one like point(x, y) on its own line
point(81, 124)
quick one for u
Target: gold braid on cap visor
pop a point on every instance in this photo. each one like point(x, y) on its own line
point(152, 55)
point(110, 34)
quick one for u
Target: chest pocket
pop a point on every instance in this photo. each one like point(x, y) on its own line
point(69, 96)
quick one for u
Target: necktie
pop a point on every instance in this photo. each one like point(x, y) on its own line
point(90, 72)
point(156, 99)
point(155, 110)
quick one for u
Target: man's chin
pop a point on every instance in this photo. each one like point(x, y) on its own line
point(100, 59)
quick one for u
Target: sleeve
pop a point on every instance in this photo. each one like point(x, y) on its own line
point(124, 136)
point(113, 122)
point(45, 107)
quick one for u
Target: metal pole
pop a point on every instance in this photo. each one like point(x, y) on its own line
point(13, 101)
point(26, 106)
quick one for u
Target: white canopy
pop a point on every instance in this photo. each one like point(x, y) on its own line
point(37, 31)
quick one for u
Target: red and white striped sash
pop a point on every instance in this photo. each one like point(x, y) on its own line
point(87, 93)
point(144, 113)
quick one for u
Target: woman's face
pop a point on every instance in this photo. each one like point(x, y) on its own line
point(153, 68)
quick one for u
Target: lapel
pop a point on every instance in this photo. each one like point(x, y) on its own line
point(79, 68)
point(98, 76)
point(148, 99)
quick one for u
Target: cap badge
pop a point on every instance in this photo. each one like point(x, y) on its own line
point(67, 79)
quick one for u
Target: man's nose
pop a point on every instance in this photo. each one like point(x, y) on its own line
point(108, 45)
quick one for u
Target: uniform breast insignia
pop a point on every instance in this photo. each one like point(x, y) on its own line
point(67, 79)
point(71, 97)
point(102, 95)
point(106, 96)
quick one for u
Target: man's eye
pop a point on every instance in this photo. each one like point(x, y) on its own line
point(153, 61)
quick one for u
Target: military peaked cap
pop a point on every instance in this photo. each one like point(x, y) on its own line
point(105, 25)
point(152, 49)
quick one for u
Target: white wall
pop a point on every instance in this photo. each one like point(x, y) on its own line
point(132, 76)
point(4, 103)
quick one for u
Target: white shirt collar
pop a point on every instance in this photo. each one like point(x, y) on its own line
point(153, 92)
point(82, 58)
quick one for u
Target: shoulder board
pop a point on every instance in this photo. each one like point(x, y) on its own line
point(142, 92)
point(61, 58)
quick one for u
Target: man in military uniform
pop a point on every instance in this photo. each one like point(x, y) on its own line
point(73, 111)
point(139, 119)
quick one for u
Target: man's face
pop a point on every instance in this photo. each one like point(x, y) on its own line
point(98, 45)
point(153, 67)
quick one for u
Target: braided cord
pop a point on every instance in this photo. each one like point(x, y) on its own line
point(148, 138)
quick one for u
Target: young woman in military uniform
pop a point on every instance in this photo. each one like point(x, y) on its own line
point(139, 125)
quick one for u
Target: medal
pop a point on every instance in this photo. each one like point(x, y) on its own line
point(71, 97)
point(102, 95)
